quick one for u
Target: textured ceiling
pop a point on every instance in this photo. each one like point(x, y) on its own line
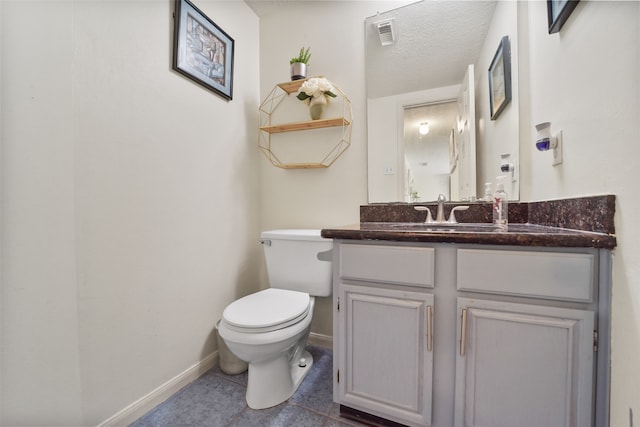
point(435, 42)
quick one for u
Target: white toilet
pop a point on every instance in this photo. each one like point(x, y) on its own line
point(269, 329)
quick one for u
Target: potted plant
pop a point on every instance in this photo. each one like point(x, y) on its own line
point(299, 64)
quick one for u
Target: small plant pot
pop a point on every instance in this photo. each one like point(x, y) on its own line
point(298, 71)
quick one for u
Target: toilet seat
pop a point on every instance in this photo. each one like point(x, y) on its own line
point(267, 310)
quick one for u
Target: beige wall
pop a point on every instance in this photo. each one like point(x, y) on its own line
point(129, 204)
point(585, 81)
point(319, 197)
point(496, 137)
point(40, 342)
point(130, 196)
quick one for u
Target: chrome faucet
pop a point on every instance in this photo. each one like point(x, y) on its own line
point(440, 212)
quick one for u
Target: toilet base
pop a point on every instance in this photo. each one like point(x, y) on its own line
point(274, 381)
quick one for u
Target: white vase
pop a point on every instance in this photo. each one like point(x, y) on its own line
point(316, 106)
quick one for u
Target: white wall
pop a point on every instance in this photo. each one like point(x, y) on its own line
point(129, 208)
point(382, 153)
point(500, 136)
point(584, 80)
point(39, 302)
point(0, 216)
point(318, 197)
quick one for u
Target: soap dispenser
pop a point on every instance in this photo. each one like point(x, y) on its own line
point(500, 208)
point(488, 195)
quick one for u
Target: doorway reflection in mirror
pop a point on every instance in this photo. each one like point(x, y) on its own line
point(427, 134)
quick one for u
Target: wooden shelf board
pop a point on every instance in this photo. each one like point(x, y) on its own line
point(312, 124)
point(291, 86)
point(302, 166)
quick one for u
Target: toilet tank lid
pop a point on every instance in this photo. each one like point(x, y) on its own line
point(294, 234)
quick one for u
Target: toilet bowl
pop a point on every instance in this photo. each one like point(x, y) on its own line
point(277, 358)
point(269, 329)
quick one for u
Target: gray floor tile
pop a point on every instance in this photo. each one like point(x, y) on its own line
point(202, 403)
point(316, 391)
point(239, 378)
point(284, 415)
point(218, 400)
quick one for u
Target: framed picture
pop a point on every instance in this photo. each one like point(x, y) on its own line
point(500, 78)
point(202, 51)
point(557, 13)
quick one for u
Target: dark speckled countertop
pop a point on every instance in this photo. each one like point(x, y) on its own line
point(578, 222)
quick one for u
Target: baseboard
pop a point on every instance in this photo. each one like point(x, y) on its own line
point(320, 340)
point(140, 407)
point(160, 394)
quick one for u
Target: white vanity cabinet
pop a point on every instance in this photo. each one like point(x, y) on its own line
point(523, 365)
point(471, 335)
point(385, 331)
point(387, 355)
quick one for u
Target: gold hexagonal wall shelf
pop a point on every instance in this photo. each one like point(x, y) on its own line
point(337, 125)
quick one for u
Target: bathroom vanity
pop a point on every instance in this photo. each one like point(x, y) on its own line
point(472, 327)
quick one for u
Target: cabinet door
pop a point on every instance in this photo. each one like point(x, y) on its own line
point(386, 356)
point(523, 365)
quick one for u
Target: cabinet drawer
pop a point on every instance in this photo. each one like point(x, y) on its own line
point(389, 264)
point(550, 275)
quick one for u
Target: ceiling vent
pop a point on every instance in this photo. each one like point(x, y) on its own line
point(386, 31)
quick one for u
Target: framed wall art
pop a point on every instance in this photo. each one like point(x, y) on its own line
point(202, 51)
point(500, 78)
point(558, 12)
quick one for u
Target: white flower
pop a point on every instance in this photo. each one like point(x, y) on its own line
point(310, 87)
point(314, 87)
point(324, 85)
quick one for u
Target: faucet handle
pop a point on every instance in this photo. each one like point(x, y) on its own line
point(429, 218)
point(452, 216)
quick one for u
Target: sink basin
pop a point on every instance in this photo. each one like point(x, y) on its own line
point(461, 227)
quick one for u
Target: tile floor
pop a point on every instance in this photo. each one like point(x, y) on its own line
point(218, 400)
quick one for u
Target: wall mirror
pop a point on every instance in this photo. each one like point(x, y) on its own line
point(418, 60)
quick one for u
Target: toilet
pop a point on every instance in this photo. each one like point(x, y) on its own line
point(269, 329)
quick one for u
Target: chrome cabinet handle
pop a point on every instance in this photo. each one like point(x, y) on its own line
point(463, 333)
point(429, 328)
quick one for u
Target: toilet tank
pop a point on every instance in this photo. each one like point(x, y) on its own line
point(298, 260)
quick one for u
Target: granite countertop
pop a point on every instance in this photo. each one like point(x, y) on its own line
point(581, 222)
